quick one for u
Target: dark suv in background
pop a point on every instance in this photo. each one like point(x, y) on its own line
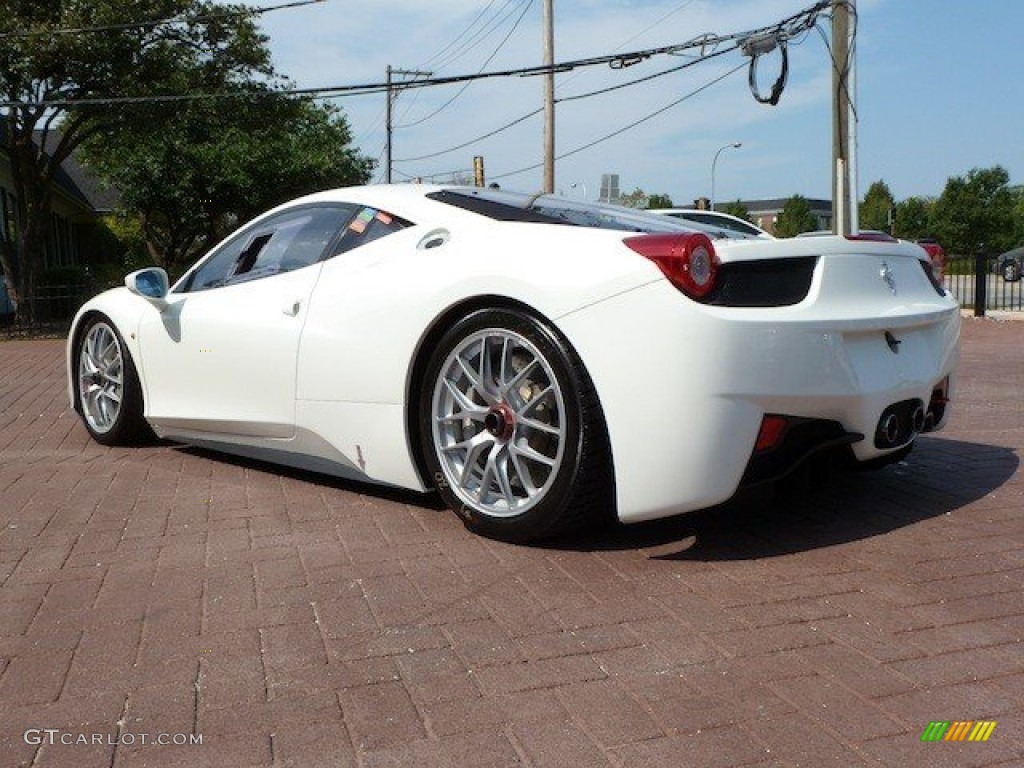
point(1010, 263)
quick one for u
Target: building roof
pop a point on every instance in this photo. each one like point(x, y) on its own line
point(76, 181)
point(72, 179)
point(778, 203)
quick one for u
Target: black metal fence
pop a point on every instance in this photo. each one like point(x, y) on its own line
point(50, 310)
point(978, 284)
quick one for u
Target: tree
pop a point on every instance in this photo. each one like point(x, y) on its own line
point(659, 201)
point(192, 175)
point(911, 218)
point(796, 217)
point(1018, 216)
point(635, 199)
point(877, 208)
point(207, 48)
point(737, 209)
point(975, 213)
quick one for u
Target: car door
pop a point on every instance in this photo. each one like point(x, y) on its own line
point(221, 356)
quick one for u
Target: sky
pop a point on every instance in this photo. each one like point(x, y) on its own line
point(939, 92)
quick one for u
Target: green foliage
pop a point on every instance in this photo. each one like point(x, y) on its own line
point(1018, 215)
point(976, 213)
point(210, 49)
point(737, 209)
point(659, 201)
point(877, 207)
point(795, 217)
point(118, 247)
point(74, 274)
point(635, 199)
point(193, 175)
point(912, 218)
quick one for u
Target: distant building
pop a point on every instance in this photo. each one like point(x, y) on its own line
point(609, 188)
point(765, 213)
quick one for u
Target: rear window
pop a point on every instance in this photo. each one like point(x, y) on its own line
point(551, 209)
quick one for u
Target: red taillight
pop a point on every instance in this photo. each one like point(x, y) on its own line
point(687, 260)
point(772, 430)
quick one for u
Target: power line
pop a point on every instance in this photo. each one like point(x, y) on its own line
point(647, 78)
point(496, 131)
point(458, 37)
point(575, 97)
point(431, 60)
point(641, 33)
point(122, 26)
point(526, 7)
point(785, 29)
point(480, 35)
point(628, 127)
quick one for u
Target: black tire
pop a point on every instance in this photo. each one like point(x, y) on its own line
point(127, 426)
point(533, 502)
point(1011, 271)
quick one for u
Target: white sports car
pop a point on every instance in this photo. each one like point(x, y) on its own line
point(538, 361)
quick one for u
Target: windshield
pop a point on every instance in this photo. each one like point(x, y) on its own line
point(502, 205)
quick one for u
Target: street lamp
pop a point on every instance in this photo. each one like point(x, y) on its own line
point(577, 184)
point(734, 145)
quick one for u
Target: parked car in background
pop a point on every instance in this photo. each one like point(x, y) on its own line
point(935, 253)
point(864, 234)
point(723, 221)
point(1010, 264)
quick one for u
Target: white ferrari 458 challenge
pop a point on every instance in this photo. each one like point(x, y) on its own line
point(540, 362)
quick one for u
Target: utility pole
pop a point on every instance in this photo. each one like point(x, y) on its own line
point(549, 97)
point(841, 204)
point(392, 94)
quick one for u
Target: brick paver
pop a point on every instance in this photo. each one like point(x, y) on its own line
point(292, 620)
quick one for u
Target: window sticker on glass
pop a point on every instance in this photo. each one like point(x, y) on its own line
point(383, 218)
point(359, 223)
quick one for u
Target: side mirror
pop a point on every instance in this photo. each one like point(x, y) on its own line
point(151, 284)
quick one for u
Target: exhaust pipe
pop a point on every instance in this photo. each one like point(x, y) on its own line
point(900, 423)
point(890, 428)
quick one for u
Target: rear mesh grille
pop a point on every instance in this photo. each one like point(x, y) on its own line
point(767, 283)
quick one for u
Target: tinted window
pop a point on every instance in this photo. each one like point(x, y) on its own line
point(717, 221)
point(282, 243)
point(368, 225)
point(551, 209)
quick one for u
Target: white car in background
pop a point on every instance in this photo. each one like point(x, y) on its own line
point(540, 362)
point(727, 224)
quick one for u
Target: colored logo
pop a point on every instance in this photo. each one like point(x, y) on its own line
point(959, 730)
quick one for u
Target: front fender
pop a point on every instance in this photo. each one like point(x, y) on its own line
point(124, 309)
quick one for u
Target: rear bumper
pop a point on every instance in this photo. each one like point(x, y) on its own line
point(684, 387)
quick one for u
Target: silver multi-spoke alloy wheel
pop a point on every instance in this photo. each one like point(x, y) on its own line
point(499, 422)
point(101, 377)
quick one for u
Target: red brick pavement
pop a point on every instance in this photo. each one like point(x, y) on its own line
point(291, 620)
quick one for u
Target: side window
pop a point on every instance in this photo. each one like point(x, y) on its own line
point(282, 243)
point(368, 225)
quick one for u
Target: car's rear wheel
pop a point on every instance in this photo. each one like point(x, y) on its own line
point(512, 431)
point(1011, 271)
point(107, 385)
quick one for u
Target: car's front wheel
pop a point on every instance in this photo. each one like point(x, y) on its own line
point(512, 430)
point(107, 385)
point(1011, 271)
